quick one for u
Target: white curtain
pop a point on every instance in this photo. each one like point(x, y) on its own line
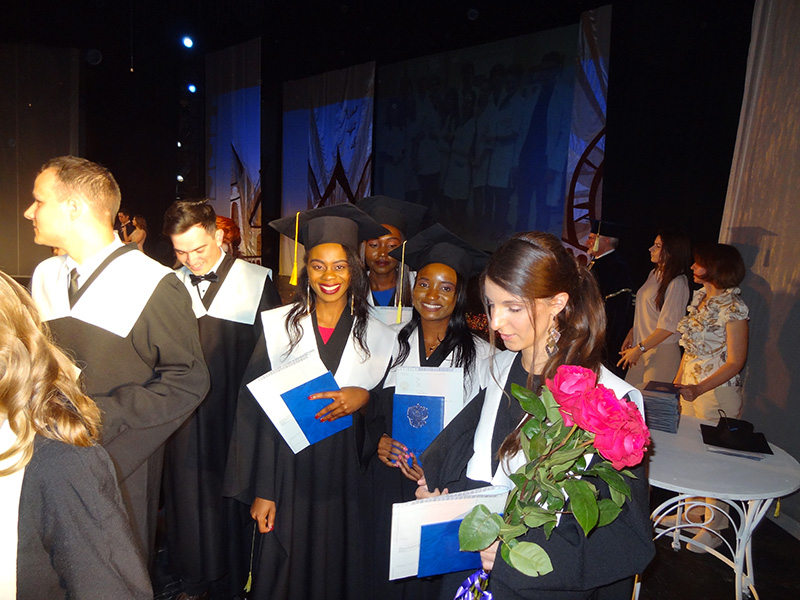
point(762, 219)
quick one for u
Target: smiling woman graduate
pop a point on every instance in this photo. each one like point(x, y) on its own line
point(305, 504)
point(437, 336)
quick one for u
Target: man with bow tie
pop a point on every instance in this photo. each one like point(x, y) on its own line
point(123, 316)
point(204, 530)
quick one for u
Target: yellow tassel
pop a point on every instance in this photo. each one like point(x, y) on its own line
point(249, 585)
point(293, 278)
point(777, 512)
point(402, 267)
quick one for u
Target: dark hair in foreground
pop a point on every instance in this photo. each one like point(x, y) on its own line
point(38, 392)
point(723, 264)
point(535, 265)
point(93, 182)
point(356, 297)
point(182, 215)
point(458, 337)
point(676, 258)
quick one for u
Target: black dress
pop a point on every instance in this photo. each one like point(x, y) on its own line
point(314, 551)
point(598, 566)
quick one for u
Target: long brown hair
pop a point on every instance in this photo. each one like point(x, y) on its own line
point(535, 265)
point(38, 390)
point(675, 260)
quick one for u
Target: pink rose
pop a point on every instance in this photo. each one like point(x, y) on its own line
point(598, 410)
point(568, 385)
point(624, 446)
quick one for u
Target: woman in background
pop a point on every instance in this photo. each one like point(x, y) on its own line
point(139, 234)
point(650, 351)
point(64, 531)
point(714, 335)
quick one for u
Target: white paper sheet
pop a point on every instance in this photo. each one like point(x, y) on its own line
point(409, 517)
point(425, 381)
point(268, 388)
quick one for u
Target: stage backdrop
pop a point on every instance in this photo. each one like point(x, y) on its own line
point(233, 138)
point(480, 135)
point(327, 142)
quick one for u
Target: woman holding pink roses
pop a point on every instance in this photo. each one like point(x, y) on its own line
point(548, 312)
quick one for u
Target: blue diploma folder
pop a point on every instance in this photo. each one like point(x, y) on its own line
point(439, 550)
point(304, 409)
point(416, 420)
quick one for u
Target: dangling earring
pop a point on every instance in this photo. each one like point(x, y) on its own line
point(553, 335)
point(308, 297)
point(352, 302)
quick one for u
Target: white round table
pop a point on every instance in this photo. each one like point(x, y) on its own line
point(680, 463)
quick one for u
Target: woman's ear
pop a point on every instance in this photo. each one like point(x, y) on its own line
point(558, 302)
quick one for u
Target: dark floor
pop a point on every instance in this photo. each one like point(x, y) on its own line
point(672, 575)
point(689, 576)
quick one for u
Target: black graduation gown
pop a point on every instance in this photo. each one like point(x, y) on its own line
point(75, 539)
point(144, 370)
point(382, 486)
point(314, 551)
point(596, 566)
point(204, 529)
point(616, 287)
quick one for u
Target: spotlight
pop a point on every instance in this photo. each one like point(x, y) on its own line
point(188, 42)
point(180, 145)
point(192, 88)
point(180, 178)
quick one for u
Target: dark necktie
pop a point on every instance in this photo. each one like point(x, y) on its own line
point(210, 277)
point(73, 284)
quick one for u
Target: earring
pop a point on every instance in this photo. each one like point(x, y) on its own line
point(352, 302)
point(553, 335)
point(308, 297)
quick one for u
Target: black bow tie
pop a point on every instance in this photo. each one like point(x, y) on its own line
point(210, 276)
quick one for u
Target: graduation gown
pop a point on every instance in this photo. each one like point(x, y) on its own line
point(204, 529)
point(616, 287)
point(313, 551)
point(383, 486)
point(66, 532)
point(132, 333)
point(464, 456)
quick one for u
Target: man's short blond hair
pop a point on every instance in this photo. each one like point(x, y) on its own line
point(93, 182)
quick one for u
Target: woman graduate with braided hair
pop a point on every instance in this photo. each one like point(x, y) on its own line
point(305, 505)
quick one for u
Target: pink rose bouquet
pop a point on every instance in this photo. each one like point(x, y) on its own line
point(573, 419)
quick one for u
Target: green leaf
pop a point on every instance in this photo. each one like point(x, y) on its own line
point(548, 528)
point(614, 480)
point(617, 497)
point(530, 559)
point(608, 511)
point(583, 503)
point(478, 529)
point(529, 401)
point(519, 479)
point(508, 532)
point(525, 443)
point(538, 518)
point(564, 456)
point(531, 428)
point(627, 473)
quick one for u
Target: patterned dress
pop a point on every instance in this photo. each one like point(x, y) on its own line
point(704, 339)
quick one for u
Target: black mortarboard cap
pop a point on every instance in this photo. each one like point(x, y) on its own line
point(406, 216)
point(608, 228)
point(344, 224)
point(437, 244)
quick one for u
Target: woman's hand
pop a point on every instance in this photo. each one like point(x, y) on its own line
point(628, 342)
point(414, 472)
point(488, 555)
point(263, 512)
point(346, 401)
point(690, 392)
point(422, 491)
point(391, 452)
point(629, 357)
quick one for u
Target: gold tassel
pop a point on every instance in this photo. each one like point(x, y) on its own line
point(249, 585)
point(400, 294)
point(293, 278)
point(777, 512)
